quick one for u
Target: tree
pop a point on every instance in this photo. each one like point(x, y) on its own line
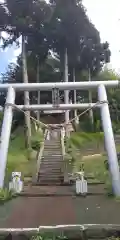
point(24, 20)
point(60, 26)
point(113, 95)
point(73, 36)
point(71, 28)
point(26, 94)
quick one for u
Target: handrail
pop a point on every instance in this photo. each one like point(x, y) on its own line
point(62, 142)
point(65, 165)
point(40, 154)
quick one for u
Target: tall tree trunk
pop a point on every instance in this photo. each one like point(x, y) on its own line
point(66, 92)
point(62, 65)
point(26, 95)
point(90, 101)
point(38, 79)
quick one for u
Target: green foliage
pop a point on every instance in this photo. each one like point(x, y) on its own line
point(108, 74)
point(94, 168)
point(70, 157)
point(70, 28)
point(35, 144)
point(20, 159)
point(80, 139)
point(50, 236)
point(6, 195)
point(37, 138)
point(85, 125)
point(56, 26)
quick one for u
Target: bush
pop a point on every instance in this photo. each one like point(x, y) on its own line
point(35, 144)
point(5, 195)
point(83, 139)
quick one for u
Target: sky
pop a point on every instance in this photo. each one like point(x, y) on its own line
point(104, 14)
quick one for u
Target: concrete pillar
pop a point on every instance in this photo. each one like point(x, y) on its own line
point(5, 134)
point(109, 140)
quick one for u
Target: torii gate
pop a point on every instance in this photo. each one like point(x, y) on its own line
point(104, 109)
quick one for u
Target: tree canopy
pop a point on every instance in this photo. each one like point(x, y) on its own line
point(54, 27)
point(71, 28)
point(57, 25)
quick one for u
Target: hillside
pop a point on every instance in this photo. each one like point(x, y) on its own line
point(19, 158)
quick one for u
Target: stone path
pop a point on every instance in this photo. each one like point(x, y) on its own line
point(57, 210)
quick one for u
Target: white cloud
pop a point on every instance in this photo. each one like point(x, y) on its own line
point(105, 14)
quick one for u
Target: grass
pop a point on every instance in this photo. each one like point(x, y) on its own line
point(95, 171)
point(6, 195)
point(61, 236)
point(94, 166)
point(82, 139)
point(19, 160)
point(18, 155)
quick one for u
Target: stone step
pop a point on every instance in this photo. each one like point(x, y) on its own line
point(52, 162)
point(52, 147)
point(51, 151)
point(52, 158)
point(54, 143)
point(55, 161)
point(50, 176)
point(49, 165)
point(50, 183)
point(47, 180)
point(50, 169)
point(53, 165)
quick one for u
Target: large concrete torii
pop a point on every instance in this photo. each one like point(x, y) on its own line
point(104, 109)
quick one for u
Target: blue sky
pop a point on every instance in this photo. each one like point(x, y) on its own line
point(105, 15)
point(7, 56)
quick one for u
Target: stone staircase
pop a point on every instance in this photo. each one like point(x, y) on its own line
point(52, 161)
